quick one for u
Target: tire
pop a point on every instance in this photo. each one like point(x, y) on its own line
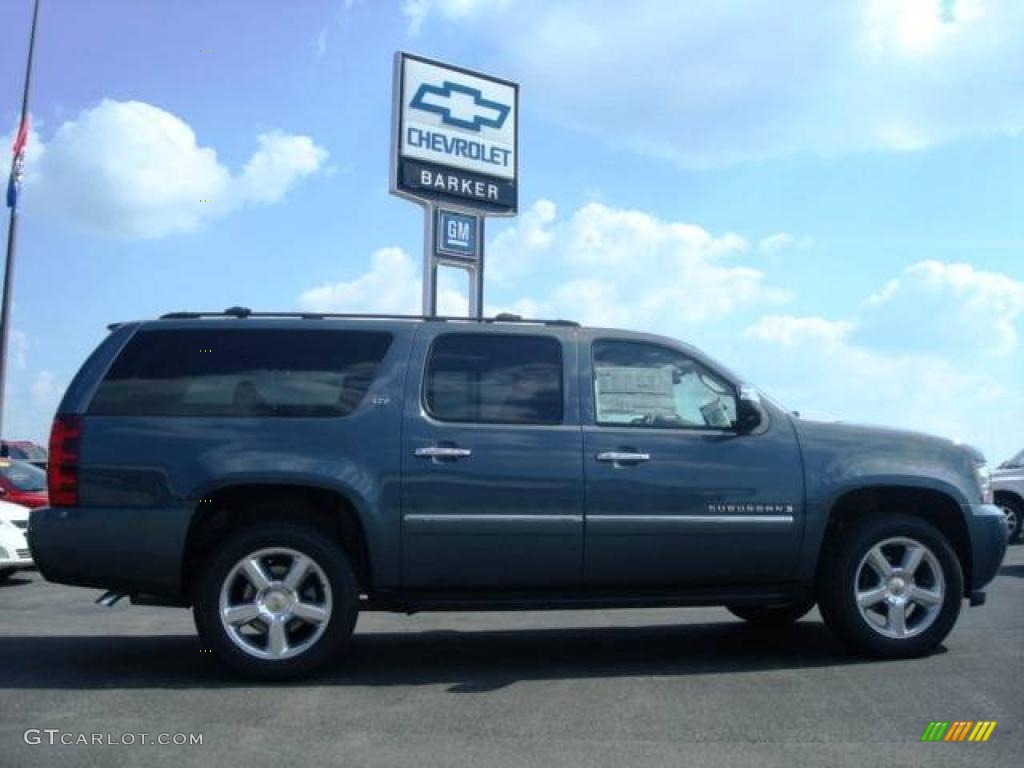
point(291, 632)
point(1014, 511)
point(779, 615)
point(5, 575)
point(927, 596)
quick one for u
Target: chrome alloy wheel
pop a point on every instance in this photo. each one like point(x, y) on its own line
point(1012, 522)
point(275, 603)
point(899, 588)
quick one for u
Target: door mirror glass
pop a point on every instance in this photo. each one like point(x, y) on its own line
point(749, 411)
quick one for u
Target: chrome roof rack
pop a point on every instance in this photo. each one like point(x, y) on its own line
point(242, 313)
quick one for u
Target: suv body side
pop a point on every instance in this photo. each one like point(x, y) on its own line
point(143, 479)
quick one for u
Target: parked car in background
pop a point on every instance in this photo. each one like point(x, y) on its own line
point(23, 483)
point(1008, 490)
point(281, 473)
point(23, 450)
point(14, 551)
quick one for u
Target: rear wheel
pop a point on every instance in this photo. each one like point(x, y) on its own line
point(276, 601)
point(891, 587)
point(773, 615)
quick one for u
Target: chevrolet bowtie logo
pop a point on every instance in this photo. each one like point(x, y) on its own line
point(460, 105)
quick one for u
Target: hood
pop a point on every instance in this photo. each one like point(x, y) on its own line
point(13, 512)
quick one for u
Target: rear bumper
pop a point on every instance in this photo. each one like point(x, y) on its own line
point(126, 549)
point(987, 530)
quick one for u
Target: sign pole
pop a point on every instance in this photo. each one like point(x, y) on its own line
point(455, 152)
point(12, 227)
point(429, 260)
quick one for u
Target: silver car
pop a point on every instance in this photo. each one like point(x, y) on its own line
point(1008, 489)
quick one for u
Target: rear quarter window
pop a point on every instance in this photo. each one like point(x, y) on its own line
point(241, 373)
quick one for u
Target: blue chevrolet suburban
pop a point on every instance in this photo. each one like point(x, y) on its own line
point(280, 472)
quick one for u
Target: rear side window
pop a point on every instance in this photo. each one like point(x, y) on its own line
point(238, 372)
point(494, 378)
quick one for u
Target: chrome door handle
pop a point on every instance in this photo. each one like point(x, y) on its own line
point(623, 457)
point(442, 452)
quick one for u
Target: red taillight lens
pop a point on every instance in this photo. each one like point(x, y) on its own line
point(62, 469)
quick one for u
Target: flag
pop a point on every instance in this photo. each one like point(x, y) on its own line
point(17, 163)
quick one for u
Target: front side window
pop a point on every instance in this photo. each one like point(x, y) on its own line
point(241, 373)
point(647, 385)
point(502, 379)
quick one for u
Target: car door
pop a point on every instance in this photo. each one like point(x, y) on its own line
point(492, 452)
point(675, 495)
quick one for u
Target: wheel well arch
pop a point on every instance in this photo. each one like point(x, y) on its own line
point(1006, 493)
point(936, 507)
point(229, 507)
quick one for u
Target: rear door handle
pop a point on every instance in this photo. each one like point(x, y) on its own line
point(442, 452)
point(623, 457)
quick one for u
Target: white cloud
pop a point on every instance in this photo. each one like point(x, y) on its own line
point(639, 270)
point(130, 169)
point(931, 351)
point(319, 43)
point(19, 347)
point(416, 11)
point(705, 84)
point(789, 331)
point(773, 245)
point(392, 286)
point(45, 392)
point(946, 307)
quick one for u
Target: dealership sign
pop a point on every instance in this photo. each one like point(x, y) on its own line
point(454, 136)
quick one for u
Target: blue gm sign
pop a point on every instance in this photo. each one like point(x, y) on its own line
point(457, 234)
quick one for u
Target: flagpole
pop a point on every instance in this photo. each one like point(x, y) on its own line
point(12, 232)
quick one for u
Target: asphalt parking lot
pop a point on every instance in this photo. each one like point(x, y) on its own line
point(622, 688)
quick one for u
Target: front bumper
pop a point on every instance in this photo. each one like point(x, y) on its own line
point(987, 531)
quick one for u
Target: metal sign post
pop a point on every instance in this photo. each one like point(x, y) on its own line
point(455, 152)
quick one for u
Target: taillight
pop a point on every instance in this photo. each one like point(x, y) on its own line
point(62, 470)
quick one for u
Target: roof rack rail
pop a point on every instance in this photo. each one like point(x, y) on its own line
point(241, 313)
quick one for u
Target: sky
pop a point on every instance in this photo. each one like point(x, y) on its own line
point(825, 196)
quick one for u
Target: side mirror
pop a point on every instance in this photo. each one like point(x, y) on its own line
point(749, 413)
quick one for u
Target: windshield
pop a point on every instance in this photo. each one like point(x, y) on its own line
point(24, 477)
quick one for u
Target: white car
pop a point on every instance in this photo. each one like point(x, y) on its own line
point(14, 553)
point(1008, 488)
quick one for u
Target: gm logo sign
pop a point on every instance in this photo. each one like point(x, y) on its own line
point(460, 105)
point(454, 136)
point(457, 234)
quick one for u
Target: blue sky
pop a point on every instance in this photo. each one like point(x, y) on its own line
point(826, 196)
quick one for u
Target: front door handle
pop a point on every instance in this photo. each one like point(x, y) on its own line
point(623, 457)
point(442, 452)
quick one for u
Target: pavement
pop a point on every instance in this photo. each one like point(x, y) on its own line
point(672, 687)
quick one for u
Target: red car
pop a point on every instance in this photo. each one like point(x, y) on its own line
point(23, 483)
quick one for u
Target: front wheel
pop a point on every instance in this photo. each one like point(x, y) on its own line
point(891, 586)
point(778, 615)
point(276, 601)
point(1014, 512)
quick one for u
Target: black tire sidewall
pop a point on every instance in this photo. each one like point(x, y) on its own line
point(836, 594)
point(325, 552)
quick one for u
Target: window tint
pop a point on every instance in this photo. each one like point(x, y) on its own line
point(239, 372)
point(24, 477)
point(495, 378)
point(637, 384)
